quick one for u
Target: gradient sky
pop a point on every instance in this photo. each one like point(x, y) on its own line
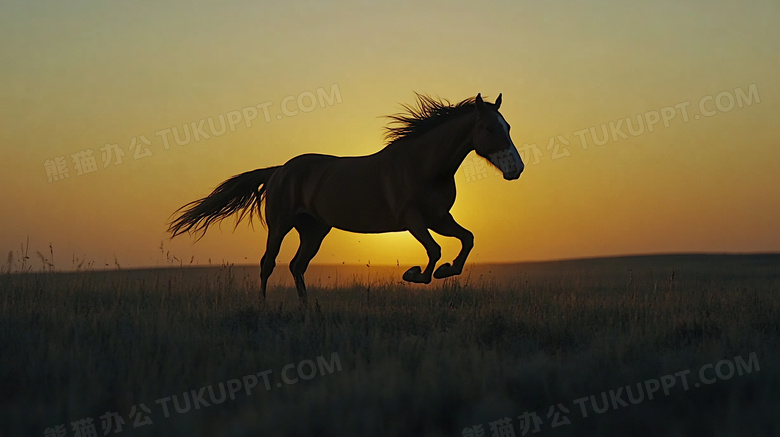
point(79, 75)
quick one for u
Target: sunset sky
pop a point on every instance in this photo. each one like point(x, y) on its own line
point(98, 77)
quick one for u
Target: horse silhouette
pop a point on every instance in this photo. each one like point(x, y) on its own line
point(409, 185)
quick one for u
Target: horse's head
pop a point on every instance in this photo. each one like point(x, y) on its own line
point(492, 141)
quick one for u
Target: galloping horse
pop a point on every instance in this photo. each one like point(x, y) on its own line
point(409, 185)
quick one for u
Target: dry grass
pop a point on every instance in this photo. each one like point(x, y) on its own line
point(416, 360)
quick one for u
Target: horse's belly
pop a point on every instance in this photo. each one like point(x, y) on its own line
point(356, 213)
point(355, 206)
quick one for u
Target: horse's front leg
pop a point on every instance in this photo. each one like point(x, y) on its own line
point(419, 230)
point(448, 227)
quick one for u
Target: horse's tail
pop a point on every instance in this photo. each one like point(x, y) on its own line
point(242, 194)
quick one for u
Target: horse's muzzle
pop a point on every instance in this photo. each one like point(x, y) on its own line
point(511, 176)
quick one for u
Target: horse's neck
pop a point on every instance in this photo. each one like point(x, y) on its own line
point(443, 149)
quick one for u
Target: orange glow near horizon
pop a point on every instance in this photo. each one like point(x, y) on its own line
point(91, 75)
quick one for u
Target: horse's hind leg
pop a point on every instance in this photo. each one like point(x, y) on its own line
point(267, 263)
point(311, 232)
point(450, 228)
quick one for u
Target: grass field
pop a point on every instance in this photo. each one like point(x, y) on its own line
point(375, 357)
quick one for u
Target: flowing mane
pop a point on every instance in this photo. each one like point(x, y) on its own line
point(429, 113)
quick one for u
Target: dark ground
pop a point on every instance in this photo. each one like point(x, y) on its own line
point(441, 360)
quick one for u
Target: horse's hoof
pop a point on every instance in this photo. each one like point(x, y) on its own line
point(445, 271)
point(414, 274)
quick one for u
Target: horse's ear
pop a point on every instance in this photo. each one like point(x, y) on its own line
point(480, 104)
point(498, 101)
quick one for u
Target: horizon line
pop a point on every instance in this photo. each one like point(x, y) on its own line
point(468, 264)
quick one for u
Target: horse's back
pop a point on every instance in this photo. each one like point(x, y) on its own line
point(310, 159)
